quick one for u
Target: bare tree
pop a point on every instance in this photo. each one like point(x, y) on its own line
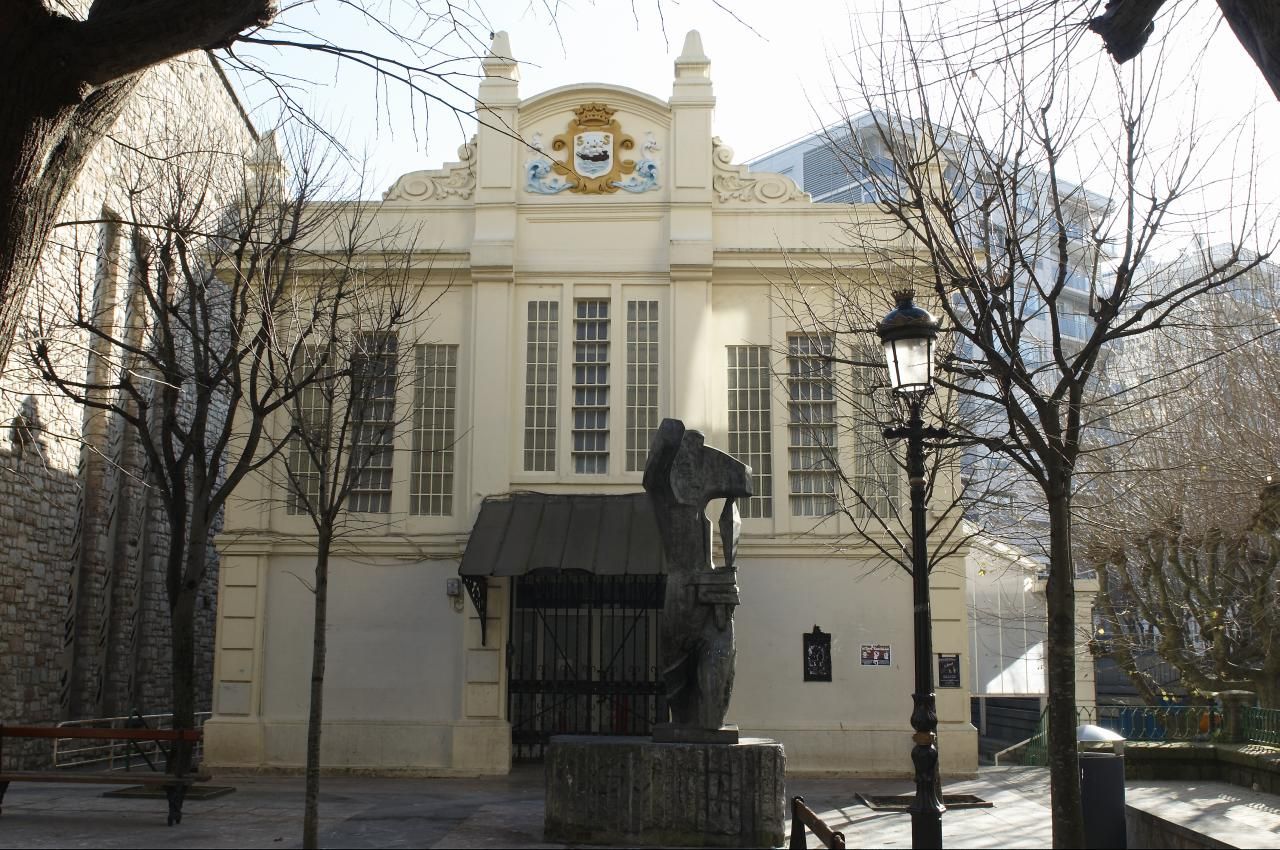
point(840, 404)
point(1184, 530)
point(1034, 276)
point(200, 357)
point(344, 390)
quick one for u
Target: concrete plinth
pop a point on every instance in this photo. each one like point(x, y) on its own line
point(635, 792)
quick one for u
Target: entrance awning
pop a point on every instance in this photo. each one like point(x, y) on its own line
point(517, 533)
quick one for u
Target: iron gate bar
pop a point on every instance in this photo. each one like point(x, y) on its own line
point(579, 657)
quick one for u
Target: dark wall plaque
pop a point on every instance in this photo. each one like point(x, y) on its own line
point(948, 670)
point(817, 656)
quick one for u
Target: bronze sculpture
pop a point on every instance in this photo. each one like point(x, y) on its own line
point(682, 475)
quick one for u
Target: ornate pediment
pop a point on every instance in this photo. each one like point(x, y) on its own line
point(455, 180)
point(737, 183)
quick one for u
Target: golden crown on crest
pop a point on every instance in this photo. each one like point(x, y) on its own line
point(594, 115)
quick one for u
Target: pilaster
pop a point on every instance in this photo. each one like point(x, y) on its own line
point(233, 736)
point(492, 416)
point(1086, 691)
point(691, 247)
point(496, 153)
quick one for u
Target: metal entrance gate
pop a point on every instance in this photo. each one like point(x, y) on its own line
point(582, 657)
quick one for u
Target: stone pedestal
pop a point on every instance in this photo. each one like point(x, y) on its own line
point(635, 792)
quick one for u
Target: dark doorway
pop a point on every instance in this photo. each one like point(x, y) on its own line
point(582, 657)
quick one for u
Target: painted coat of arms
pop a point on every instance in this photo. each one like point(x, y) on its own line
point(595, 143)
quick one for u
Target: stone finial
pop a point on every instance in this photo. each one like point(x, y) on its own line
point(693, 62)
point(267, 166)
point(501, 63)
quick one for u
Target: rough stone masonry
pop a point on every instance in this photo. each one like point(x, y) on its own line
point(83, 610)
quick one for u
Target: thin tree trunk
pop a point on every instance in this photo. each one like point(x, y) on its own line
point(1064, 767)
point(182, 614)
point(311, 813)
point(184, 588)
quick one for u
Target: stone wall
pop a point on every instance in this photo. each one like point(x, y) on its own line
point(1253, 766)
point(84, 616)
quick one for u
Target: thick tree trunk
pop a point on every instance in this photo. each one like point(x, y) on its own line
point(1126, 25)
point(1064, 768)
point(311, 812)
point(47, 131)
point(1257, 24)
point(66, 82)
point(1267, 683)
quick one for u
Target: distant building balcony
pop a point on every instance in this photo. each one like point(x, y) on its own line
point(1075, 325)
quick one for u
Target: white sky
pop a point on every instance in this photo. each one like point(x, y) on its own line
point(772, 85)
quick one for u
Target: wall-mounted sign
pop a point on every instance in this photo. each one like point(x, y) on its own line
point(875, 655)
point(817, 656)
point(948, 670)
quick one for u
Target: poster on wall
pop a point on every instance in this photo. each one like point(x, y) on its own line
point(875, 655)
point(817, 656)
point(948, 670)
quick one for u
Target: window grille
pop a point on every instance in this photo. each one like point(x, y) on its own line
point(750, 423)
point(591, 387)
point(542, 357)
point(373, 391)
point(875, 470)
point(310, 413)
point(812, 427)
point(435, 392)
point(642, 380)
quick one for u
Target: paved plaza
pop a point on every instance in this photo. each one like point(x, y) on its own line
point(507, 812)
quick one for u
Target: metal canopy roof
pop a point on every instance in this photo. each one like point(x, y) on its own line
point(603, 534)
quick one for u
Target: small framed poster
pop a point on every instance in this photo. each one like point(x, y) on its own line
point(817, 656)
point(948, 670)
point(875, 655)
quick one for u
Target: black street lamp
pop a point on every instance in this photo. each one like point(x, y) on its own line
point(907, 333)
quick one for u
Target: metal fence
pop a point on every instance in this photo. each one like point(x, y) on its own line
point(1161, 722)
point(1262, 726)
point(1140, 723)
point(119, 755)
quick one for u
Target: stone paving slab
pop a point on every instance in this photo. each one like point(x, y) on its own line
point(1019, 818)
point(507, 812)
point(1238, 817)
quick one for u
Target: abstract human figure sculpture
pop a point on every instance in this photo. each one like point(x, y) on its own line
point(682, 475)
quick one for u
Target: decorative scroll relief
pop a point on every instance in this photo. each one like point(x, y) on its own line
point(539, 171)
point(455, 180)
point(738, 183)
point(594, 143)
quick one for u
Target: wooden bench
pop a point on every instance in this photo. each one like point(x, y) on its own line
point(801, 817)
point(175, 787)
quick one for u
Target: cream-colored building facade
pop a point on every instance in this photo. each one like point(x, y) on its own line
point(601, 263)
